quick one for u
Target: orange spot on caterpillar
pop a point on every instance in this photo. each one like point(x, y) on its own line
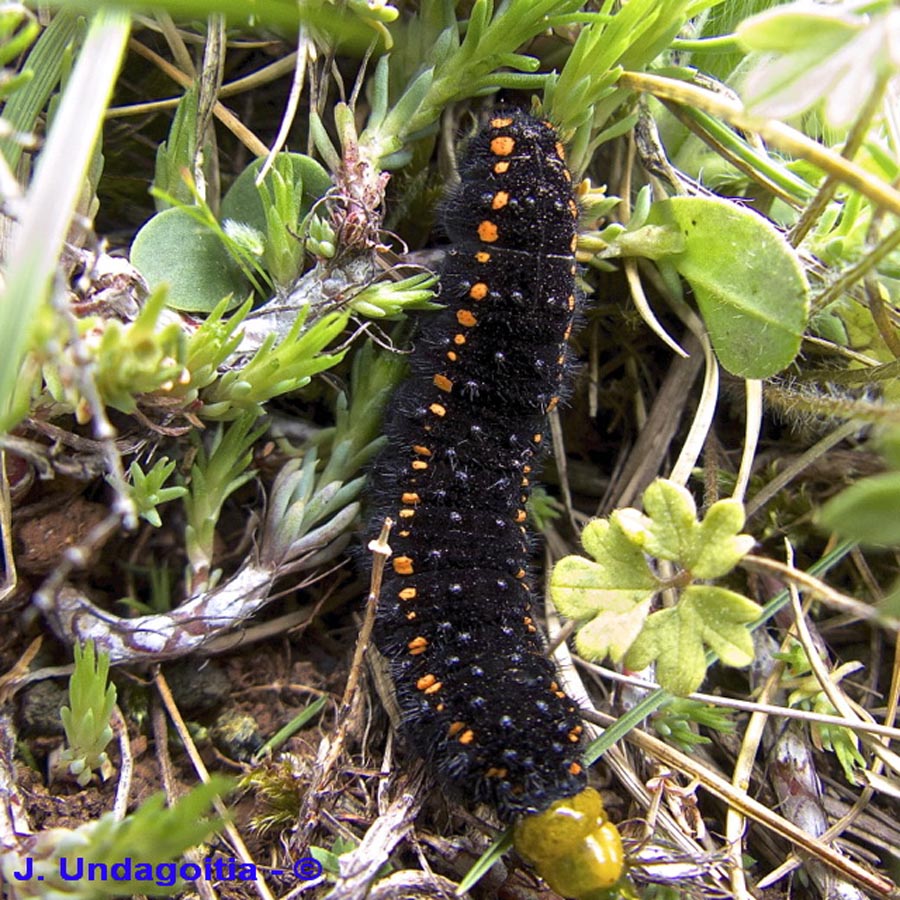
point(501, 122)
point(403, 565)
point(421, 450)
point(521, 515)
point(537, 438)
point(455, 728)
point(482, 256)
point(573, 208)
point(488, 231)
point(465, 318)
point(501, 168)
point(478, 291)
point(419, 465)
point(404, 533)
point(459, 339)
point(442, 383)
point(409, 498)
point(438, 410)
point(426, 681)
point(573, 244)
point(575, 769)
point(500, 199)
point(554, 402)
point(560, 151)
point(410, 616)
point(407, 513)
point(417, 645)
point(467, 737)
point(453, 357)
point(408, 593)
point(502, 146)
point(494, 772)
point(575, 734)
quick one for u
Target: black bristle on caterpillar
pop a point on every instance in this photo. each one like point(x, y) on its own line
point(478, 696)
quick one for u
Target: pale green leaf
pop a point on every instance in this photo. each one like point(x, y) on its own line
point(676, 638)
point(673, 530)
point(671, 638)
point(786, 29)
point(723, 616)
point(720, 546)
point(614, 628)
point(623, 563)
point(582, 589)
point(821, 54)
point(613, 594)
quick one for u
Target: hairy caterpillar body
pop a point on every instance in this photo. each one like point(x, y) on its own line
point(478, 696)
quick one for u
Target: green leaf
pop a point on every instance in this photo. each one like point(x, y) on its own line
point(786, 29)
point(720, 546)
point(243, 203)
point(174, 249)
point(669, 530)
point(671, 638)
point(45, 61)
point(147, 489)
point(176, 154)
point(613, 593)
point(725, 615)
point(86, 719)
point(675, 638)
point(615, 626)
point(748, 282)
point(866, 511)
point(823, 54)
point(18, 29)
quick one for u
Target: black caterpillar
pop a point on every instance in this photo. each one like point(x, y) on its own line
point(477, 693)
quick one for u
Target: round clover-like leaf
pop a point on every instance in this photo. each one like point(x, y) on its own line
point(175, 250)
point(243, 203)
point(748, 282)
